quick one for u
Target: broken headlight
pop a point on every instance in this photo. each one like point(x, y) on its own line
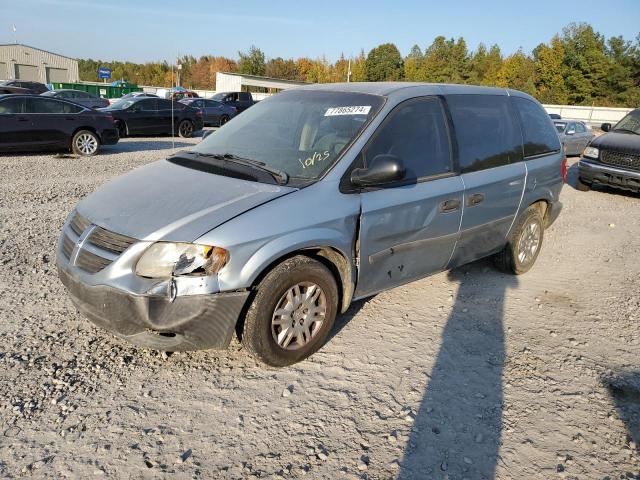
point(165, 260)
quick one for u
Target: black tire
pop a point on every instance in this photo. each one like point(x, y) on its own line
point(258, 332)
point(583, 186)
point(509, 260)
point(85, 143)
point(122, 129)
point(185, 129)
point(224, 119)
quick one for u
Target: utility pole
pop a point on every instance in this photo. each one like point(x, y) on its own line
point(349, 72)
point(15, 35)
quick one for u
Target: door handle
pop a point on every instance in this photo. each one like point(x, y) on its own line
point(23, 119)
point(475, 199)
point(449, 206)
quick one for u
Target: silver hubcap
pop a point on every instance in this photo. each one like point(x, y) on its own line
point(86, 144)
point(185, 129)
point(298, 316)
point(529, 243)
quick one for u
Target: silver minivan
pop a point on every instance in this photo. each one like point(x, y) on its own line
point(311, 199)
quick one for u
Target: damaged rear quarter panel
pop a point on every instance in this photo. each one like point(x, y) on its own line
point(316, 216)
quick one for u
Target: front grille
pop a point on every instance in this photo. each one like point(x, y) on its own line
point(100, 248)
point(67, 246)
point(79, 224)
point(113, 242)
point(619, 159)
point(90, 262)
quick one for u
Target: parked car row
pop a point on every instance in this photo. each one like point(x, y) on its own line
point(51, 122)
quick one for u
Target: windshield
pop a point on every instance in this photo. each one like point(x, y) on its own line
point(630, 123)
point(560, 126)
point(301, 133)
point(121, 104)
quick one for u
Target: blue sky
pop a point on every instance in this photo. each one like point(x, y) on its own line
point(147, 30)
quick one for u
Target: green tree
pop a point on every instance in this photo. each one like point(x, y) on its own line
point(384, 63)
point(281, 68)
point(484, 65)
point(551, 72)
point(518, 71)
point(445, 61)
point(252, 62)
point(412, 64)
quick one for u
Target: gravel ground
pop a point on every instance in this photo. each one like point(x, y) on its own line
point(467, 374)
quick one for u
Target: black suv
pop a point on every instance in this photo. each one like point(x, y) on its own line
point(35, 88)
point(154, 116)
point(240, 100)
point(613, 158)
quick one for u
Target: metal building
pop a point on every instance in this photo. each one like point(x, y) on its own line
point(233, 82)
point(23, 62)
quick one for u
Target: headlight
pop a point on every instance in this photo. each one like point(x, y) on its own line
point(164, 260)
point(591, 152)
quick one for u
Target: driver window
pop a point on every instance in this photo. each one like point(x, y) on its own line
point(580, 128)
point(416, 132)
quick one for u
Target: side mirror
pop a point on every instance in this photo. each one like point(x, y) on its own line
point(605, 127)
point(383, 169)
point(206, 133)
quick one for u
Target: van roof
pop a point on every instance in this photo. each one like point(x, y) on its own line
point(388, 89)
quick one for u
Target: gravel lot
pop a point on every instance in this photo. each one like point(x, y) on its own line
point(468, 374)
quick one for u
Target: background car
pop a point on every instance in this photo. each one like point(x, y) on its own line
point(555, 116)
point(214, 113)
point(34, 122)
point(139, 94)
point(240, 100)
point(574, 135)
point(8, 89)
point(153, 116)
point(85, 99)
point(613, 158)
point(33, 87)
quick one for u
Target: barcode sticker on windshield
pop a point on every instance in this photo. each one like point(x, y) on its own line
point(356, 110)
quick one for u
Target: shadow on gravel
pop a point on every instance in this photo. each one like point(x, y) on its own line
point(625, 392)
point(343, 320)
point(457, 430)
point(142, 144)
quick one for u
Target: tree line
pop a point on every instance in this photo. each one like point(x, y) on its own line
point(579, 66)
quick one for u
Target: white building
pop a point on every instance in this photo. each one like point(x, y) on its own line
point(22, 62)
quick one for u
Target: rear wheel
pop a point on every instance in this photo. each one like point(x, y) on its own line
point(224, 119)
point(292, 312)
point(185, 129)
point(525, 242)
point(85, 143)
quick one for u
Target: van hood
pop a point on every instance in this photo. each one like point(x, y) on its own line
point(164, 201)
point(619, 142)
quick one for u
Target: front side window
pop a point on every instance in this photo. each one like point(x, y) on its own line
point(147, 105)
point(415, 132)
point(46, 105)
point(537, 131)
point(560, 126)
point(299, 132)
point(580, 128)
point(10, 106)
point(487, 134)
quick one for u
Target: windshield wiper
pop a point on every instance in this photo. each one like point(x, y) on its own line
point(625, 130)
point(280, 176)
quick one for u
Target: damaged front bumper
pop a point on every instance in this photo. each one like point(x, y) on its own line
point(170, 315)
point(591, 172)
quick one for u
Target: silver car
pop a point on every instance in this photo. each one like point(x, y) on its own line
point(574, 135)
point(309, 200)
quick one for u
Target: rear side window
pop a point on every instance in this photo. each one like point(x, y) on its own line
point(12, 106)
point(537, 130)
point(488, 135)
point(416, 132)
point(244, 96)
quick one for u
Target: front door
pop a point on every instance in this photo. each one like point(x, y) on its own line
point(409, 230)
point(143, 117)
point(493, 172)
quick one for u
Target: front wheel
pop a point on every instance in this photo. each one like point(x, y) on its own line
point(185, 129)
point(525, 242)
point(292, 312)
point(85, 143)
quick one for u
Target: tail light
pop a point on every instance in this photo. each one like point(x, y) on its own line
point(563, 169)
